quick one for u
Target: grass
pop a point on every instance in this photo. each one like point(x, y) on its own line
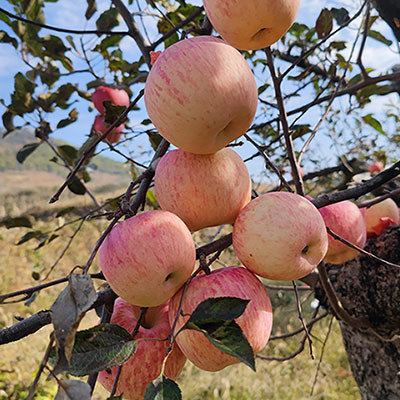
point(291, 379)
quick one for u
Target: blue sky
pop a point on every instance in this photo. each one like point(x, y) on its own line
point(70, 14)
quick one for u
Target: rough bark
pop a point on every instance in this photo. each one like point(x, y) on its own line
point(368, 289)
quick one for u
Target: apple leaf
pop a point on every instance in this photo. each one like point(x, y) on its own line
point(373, 122)
point(77, 187)
point(218, 309)
point(324, 23)
point(227, 337)
point(66, 314)
point(101, 347)
point(26, 150)
point(23, 221)
point(73, 390)
point(162, 389)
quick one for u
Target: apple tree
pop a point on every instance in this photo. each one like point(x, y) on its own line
point(312, 110)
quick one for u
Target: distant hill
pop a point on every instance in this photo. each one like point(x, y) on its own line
point(39, 160)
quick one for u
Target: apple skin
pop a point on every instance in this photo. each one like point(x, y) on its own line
point(203, 190)
point(117, 97)
point(145, 364)
point(380, 216)
point(148, 257)
point(201, 94)
point(251, 24)
point(255, 322)
point(280, 236)
point(100, 128)
point(346, 220)
point(377, 166)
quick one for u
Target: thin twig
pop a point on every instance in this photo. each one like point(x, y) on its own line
point(322, 354)
point(369, 203)
point(302, 319)
point(364, 39)
point(43, 363)
point(285, 126)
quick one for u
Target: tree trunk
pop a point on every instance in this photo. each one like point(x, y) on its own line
point(368, 289)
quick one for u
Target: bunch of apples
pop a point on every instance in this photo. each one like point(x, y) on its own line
point(201, 95)
point(117, 97)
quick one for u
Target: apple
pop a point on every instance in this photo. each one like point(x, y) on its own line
point(203, 190)
point(100, 128)
point(381, 215)
point(148, 257)
point(201, 94)
point(146, 363)
point(376, 166)
point(255, 322)
point(280, 236)
point(251, 24)
point(117, 97)
point(346, 220)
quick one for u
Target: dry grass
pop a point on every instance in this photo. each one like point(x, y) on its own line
point(273, 380)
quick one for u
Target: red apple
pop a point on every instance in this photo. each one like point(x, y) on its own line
point(148, 257)
point(251, 24)
point(377, 166)
point(255, 322)
point(203, 190)
point(280, 236)
point(381, 215)
point(117, 97)
point(201, 94)
point(346, 220)
point(145, 364)
point(100, 128)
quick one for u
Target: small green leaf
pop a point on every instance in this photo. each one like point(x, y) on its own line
point(68, 152)
point(152, 199)
point(108, 19)
point(72, 116)
point(17, 222)
point(164, 389)
point(91, 8)
point(341, 15)
point(218, 308)
point(112, 111)
point(371, 121)
point(30, 235)
point(324, 23)
point(378, 36)
point(155, 138)
point(101, 347)
point(26, 151)
point(5, 38)
point(229, 338)
point(77, 187)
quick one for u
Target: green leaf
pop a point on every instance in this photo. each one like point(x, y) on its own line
point(70, 40)
point(26, 151)
point(54, 46)
point(108, 19)
point(29, 235)
point(5, 38)
point(164, 389)
point(218, 308)
point(152, 199)
point(101, 347)
point(77, 187)
point(72, 116)
point(341, 15)
point(68, 152)
point(91, 8)
point(112, 111)
point(16, 222)
point(8, 121)
point(371, 121)
point(23, 85)
point(378, 36)
point(324, 23)
point(155, 138)
point(229, 338)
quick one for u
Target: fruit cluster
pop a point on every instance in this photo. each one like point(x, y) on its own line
point(201, 95)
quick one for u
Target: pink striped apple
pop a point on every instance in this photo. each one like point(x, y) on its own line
point(346, 220)
point(145, 364)
point(148, 257)
point(255, 322)
point(203, 190)
point(251, 24)
point(100, 128)
point(117, 97)
point(381, 215)
point(201, 94)
point(280, 236)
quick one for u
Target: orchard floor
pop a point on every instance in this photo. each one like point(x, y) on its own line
point(291, 379)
